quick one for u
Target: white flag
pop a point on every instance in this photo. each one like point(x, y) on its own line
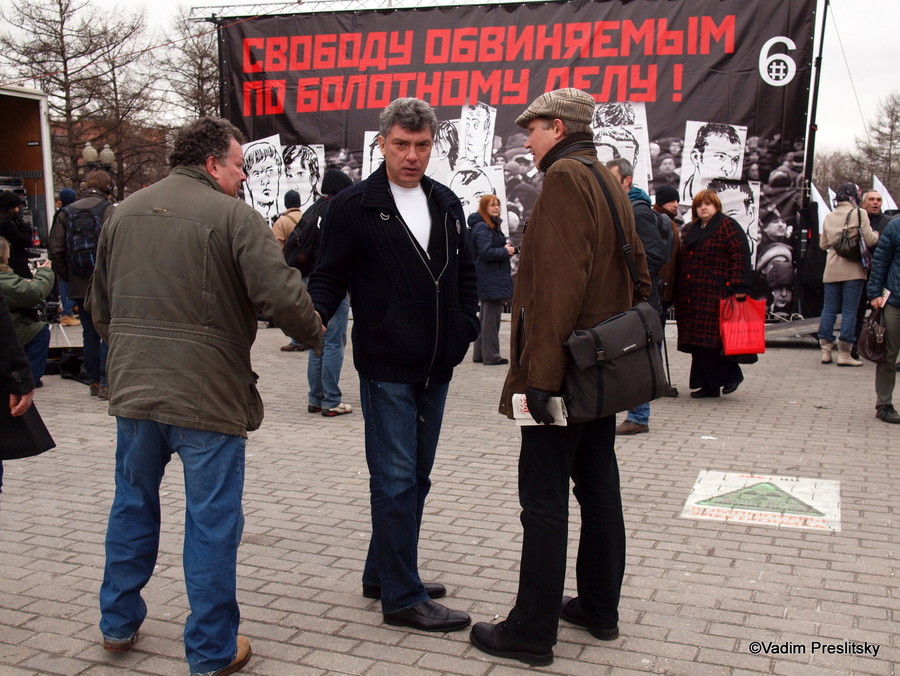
point(832, 196)
point(887, 202)
point(823, 209)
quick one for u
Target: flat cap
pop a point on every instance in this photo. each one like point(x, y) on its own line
point(564, 104)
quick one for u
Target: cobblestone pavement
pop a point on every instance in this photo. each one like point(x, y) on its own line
point(697, 594)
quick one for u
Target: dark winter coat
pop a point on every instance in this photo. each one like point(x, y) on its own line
point(491, 260)
point(25, 435)
point(885, 271)
point(77, 285)
point(654, 239)
point(414, 311)
point(713, 263)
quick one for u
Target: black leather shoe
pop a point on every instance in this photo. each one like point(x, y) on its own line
point(704, 393)
point(429, 616)
point(731, 387)
point(887, 413)
point(571, 612)
point(434, 589)
point(494, 639)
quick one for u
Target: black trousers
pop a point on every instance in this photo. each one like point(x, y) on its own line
point(549, 457)
point(711, 370)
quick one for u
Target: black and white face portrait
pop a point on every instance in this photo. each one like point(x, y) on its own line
point(477, 134)
point(302, 171)
point(445, 151)
point(620, 131)
point(717, 151)
point(470, 185)
point(740, 201)
point(263, 168)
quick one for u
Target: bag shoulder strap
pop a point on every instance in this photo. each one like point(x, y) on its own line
point(620, 233)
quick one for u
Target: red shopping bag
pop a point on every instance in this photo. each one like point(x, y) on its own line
point(742, 325)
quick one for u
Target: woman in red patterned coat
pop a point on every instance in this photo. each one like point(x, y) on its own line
point(713, 263)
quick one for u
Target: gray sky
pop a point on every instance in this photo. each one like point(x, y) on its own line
point(867, 29)
point(868, 32)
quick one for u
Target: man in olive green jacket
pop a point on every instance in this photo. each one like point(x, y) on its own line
point(183, 270)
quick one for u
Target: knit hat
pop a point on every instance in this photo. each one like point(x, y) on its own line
point(666, 194)
point(780, 273)
point(564, 104)
point(67, 196)
point(334, 181)
point(292, 199)
point(776, 251)
point(9, 200)
point(849, 192)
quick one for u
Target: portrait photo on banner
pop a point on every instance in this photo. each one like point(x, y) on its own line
point(711, 150)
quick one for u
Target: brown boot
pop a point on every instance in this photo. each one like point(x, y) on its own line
point(827, 347)
point(844, 356)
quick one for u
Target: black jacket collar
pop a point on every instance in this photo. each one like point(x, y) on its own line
point(377, 192)
point(698, 234)
point(566, 146)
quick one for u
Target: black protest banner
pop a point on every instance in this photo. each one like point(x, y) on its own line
point(323, 78)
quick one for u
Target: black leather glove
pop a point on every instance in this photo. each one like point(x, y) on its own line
point(537, 404)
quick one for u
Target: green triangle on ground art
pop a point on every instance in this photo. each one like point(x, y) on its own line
point(762, 497)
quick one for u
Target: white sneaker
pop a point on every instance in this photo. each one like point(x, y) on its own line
point(340, 409)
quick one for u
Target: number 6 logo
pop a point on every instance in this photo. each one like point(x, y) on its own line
point(777, 69)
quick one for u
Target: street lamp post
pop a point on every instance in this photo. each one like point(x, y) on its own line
point(94, 160)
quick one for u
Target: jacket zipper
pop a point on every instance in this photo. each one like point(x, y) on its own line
point(437, 284)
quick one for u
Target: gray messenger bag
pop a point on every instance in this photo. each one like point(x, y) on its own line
point(615, 365)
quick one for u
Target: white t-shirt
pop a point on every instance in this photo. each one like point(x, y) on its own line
point(413, 207)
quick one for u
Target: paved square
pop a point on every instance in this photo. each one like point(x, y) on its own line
point(700, 597)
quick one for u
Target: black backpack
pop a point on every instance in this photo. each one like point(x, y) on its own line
point(301, 246)
point(82, 233)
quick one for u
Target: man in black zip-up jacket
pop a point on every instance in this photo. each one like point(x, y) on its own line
point(399, 244)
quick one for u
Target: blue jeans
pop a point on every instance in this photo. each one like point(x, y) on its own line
point(213, 485)
point(37, 350)
point(67, 303)
point(640, 414)
point(403, 423)
point(94, 352)
point(324, 373)
point(843, 296)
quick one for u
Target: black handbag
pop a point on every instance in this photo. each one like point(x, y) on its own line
point(847, 245)
point(615, 365)
point(871, 344)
